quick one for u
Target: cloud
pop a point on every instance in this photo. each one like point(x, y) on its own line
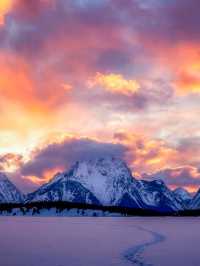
point(126, 95)
point(189, 150)
point(60, 156)
point(148, 158)
point(152, 158)
point(30, 9)
point(5, 6)
point(186, 176)
point(10, 162)
point(142, 154)
point(191, 144)
point(18, 83)
point(142, 61)
point(146, 155)
point(189, 82)
point(115, 83)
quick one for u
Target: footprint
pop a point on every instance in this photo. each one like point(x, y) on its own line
point(135, 254)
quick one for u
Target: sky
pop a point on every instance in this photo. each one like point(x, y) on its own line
point(81, 79)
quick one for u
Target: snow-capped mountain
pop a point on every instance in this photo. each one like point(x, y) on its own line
point(109, 179)
point(108, 182)
point(195, 202)
point(156, 195)
point(183, 196)
point(104, 181)
point(63, 190)
point(8, 192)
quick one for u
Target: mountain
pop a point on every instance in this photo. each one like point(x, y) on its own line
point(63, 189)
point(195, 202)
point(107, 182)
point(155, 195)
point(8, 192)
point(183, 196)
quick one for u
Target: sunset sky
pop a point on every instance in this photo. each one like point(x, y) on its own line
point(81, 79)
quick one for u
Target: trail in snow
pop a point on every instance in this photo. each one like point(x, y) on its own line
point(135, 254)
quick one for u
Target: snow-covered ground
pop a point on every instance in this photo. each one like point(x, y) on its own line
point(94, 241)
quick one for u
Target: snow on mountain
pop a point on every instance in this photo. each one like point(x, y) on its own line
point(156, 195)
point(183, 195)
point(63, 189)
point(103, 181)
point(195, 202)
point(108, 182)
point(8, 192)
point(109, 179)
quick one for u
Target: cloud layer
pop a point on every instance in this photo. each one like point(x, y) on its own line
point(118, 76)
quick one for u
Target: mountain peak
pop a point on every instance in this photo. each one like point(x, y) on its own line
point(8, 192)
point(182, 193)
point(107, 181)
point(102, 162)
point(107, 178)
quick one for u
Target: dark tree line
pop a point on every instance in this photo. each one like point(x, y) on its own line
point(36, 207)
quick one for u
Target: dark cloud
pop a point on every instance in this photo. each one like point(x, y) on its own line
point(35, 24)
point(63, 155)
point(163, 21)
point(182, 20)
point(113, 59)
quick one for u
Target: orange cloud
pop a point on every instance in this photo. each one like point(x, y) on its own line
point(47, 176)
point(186, 176)
point(155, 155)
point(158, 159)
point(187, 69)
point(115, 83)
point(5, 6)
point(189, 82)
point(67, 87)
point(147, 155)
point(142, 154)
point(10, 162)
point(36, 91)
point(182, 61)
point(29, 104)
point(16, 84)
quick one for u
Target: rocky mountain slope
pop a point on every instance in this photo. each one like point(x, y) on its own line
point(183, 196)
point(8, 191)
point(195, 202)
point(107, 182)
point(103, 182)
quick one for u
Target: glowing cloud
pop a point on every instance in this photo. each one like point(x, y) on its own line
point(5, 6)
point(10, 162)
point(189, 82)
point(115, 83)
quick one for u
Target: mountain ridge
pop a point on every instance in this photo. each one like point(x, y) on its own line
point(9, 193)
point(111, 182)
point(105, 182)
